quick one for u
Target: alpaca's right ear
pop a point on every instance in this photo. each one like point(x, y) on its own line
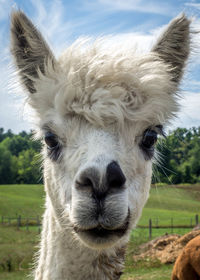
point(29, 49)
point(174, 45)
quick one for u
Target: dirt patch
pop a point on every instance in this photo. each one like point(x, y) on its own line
point(165, 248)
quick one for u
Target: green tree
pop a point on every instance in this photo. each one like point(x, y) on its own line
point(8, 170)
point(180, 156)
point(28, 164)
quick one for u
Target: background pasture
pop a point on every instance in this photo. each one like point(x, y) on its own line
point(18, 245)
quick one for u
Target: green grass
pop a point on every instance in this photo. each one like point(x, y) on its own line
point(143, 233)
point(18, 246)
point(144, 269)
point(14, 275)
point(166, 202)
point(25, 200)
point(148, 272)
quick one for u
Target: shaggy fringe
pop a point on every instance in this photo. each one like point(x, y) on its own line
point(107, 87)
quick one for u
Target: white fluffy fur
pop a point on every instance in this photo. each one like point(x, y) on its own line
point(105, 86)
point(98, 101)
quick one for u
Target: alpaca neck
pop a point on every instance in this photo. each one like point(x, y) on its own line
point(63, 257)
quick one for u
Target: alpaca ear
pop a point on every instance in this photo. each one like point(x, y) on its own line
point(174, 45)
point(29, 49)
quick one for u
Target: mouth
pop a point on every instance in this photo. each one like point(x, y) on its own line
point(101, 234)
point(105, 233)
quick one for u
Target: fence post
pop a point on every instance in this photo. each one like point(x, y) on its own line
point(172, 225)
point(38, 223)
point(191, 222)
point(197, 219)
point(150, 228)
point(18, 222)
point(27, 224)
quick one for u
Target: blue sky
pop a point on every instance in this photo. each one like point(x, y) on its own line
point(63, 21)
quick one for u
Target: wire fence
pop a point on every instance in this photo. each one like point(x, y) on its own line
point(22, 222)
point(154, 227)
point(171, 225)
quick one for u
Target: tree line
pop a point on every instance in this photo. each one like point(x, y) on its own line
point(178, 158)
point(20, 161)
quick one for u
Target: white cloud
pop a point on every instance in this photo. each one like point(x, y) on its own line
point(5, 6)
point(50, 18)
point(11, 103)
point(193, 5)
point(139, 6)
point(191, 85)
point(189, 114)
point(140, 42)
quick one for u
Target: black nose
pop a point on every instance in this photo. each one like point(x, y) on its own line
point(114, 176)
point(99, 185)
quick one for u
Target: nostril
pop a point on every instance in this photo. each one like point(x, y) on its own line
point(115, 176)
point(84, 182)
point(88, 178)
point(115, 183)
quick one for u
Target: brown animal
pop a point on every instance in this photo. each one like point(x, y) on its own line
point(187, 265)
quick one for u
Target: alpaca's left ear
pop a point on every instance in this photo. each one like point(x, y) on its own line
point(29, 49)
point(174, 45)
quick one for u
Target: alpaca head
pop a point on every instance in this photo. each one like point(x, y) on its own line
point(100, 111)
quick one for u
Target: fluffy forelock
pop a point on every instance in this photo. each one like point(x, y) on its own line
point(107, 85)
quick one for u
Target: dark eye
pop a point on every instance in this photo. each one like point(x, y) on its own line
point(51, 140)
point(149, 138)
point(53, 145)
point(148, 141)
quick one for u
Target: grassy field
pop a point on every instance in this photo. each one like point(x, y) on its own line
point(25, 200)
point(181, 203)
point(166, 202)
point(18, 246)
point(149, 271)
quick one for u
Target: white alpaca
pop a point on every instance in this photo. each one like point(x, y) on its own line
point(99, 112)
